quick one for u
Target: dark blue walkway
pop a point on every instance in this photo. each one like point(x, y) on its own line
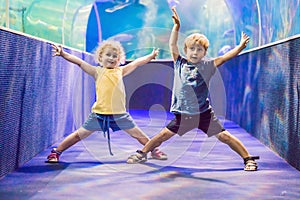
point(198, 168)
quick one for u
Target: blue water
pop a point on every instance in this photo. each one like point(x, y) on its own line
point(141, 25)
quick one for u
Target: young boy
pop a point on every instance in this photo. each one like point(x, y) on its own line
point(109, 110)
point(190, 103)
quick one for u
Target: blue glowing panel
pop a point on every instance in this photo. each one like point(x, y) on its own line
point(262, 89)
point(140, 26)
point(143, 24)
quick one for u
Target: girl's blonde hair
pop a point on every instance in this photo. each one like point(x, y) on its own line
point(196, 38)
point(113, 44)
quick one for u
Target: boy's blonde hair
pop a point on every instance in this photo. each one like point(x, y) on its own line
point(196, 38)
point(113, 44)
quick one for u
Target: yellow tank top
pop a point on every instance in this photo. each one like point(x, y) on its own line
point(110, 92)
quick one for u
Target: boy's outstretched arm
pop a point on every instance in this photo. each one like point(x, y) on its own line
point(86, 67)
point(174, 35)
point(127, 69)
point(234, 52)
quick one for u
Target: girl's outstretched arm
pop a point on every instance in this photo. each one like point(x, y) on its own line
point(86, 67)
point(127, 69)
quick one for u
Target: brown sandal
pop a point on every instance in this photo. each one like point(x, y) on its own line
point(250, 164)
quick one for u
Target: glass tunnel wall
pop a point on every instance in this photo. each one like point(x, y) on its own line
point(58, 21)
point(141, 25)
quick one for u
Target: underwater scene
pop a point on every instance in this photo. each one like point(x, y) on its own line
point(141, 25)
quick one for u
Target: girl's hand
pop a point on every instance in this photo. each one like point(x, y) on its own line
point(154, 53)
point(57, 50)
point(244, 40)
point(175, 17)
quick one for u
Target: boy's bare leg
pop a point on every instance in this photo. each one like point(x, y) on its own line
point(151, 145)
point(234, 143)
point(158, 139)
point(144, 140)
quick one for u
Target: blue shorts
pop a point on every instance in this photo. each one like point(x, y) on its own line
point(99, 122)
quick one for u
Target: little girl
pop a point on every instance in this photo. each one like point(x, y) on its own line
point(109, 110)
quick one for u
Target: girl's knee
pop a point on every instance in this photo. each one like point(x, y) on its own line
point(77, 135)
point(81, 134)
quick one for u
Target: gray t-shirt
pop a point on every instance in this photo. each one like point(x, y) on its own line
point(190, 87)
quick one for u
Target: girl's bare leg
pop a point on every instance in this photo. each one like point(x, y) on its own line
point(138, 134)
point(73, 138)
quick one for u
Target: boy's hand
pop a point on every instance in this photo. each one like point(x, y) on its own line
point(57, 50)
point(175, 17)
point(244, 40)
point(154, 53)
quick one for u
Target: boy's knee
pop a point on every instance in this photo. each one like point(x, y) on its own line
point(165, 135)
point(224, 137)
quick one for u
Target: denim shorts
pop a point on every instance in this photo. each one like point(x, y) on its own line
point(99, 122)
point(207, 122)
